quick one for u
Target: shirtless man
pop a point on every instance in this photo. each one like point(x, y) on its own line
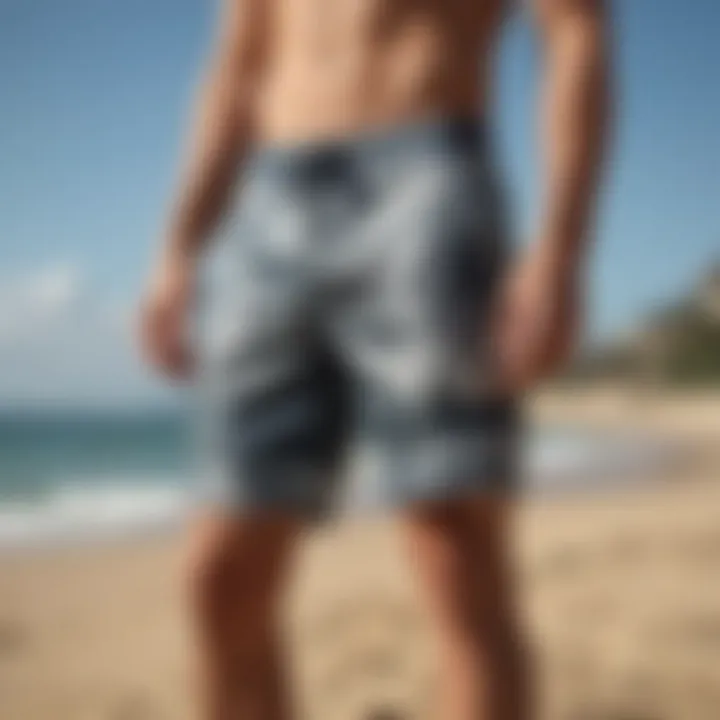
point(371, 283)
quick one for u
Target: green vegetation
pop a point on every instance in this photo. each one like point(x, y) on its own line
point(679, 345)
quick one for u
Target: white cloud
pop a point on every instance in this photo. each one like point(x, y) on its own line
point(30, 302)
point(64, 342)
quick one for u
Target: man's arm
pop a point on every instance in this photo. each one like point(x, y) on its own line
point(223, 127)
point(574, 117)
point(221, 133)
point(540, 304)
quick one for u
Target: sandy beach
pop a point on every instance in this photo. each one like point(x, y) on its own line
point(621, 590)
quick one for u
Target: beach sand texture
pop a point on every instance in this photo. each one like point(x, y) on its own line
point(621, 591)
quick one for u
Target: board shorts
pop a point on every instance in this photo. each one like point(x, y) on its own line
point(350, 342)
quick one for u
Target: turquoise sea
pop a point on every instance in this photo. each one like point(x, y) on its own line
point(65, 474)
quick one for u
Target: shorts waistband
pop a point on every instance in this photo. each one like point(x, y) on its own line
point(447, 135)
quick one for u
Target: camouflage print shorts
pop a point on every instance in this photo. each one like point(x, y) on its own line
point(355, 325)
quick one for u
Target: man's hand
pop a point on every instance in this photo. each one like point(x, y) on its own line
point(165, 313)
point(221, 133)
point(536, 321)
point(538, 310)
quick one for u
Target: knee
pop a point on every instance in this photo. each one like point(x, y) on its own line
point(211, 573)
point(233, 567)
point(462, 546)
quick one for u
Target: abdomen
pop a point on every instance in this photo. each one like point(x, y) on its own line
point(346, 65)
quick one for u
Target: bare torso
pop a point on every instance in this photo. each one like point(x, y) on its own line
point(340, 66)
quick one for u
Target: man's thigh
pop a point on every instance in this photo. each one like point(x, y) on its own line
point(271, 410)
point(416, 329)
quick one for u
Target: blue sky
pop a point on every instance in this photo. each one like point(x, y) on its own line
point(93, 107)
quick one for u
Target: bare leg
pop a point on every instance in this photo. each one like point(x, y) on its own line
point(235, 574)
point(460, 552)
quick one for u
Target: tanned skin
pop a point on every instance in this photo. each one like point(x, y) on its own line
point(284, 71)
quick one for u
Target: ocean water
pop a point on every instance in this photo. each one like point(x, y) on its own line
point(67, 475)
point(85, 475)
